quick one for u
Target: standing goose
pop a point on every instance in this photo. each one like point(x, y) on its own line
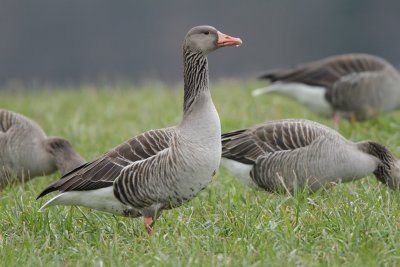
point(295, 153)
point(26, 151)
point(159, 169)
point(354, 86)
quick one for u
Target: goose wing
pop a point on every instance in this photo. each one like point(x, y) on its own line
point(247, 145)
point(103, 171)
point(355, 92)
point(326, 72)
point(287, 170)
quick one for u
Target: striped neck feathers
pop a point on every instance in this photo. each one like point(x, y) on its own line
point(387, 171)
point(195, 76)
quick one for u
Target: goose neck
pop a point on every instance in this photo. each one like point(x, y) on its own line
point(195, 75)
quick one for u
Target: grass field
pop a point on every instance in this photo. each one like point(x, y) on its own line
point(354, 224)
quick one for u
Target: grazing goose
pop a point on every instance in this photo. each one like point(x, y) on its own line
point(354, 86)
point(159, 169)
point(286, 155)
point(26, 151)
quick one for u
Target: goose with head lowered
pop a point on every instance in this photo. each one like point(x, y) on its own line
point(159, 169)
point(26, 151)
point(293, 154)
point(353, 86)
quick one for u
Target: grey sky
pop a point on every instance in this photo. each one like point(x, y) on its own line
point(90, 40)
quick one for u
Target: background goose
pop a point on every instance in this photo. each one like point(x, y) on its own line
point(357, 85)
point(159, 169)
point(294, 153)
point(26, 151)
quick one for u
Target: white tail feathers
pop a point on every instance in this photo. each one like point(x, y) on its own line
point(57, 200)
point(240, 170)
point(278, 86)
point(102, 199)
point(263, 90)
point(311, 96)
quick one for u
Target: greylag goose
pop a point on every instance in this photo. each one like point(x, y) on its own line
point(26, 151)
point(159, 169)
point(353, 86)
point(287, 155)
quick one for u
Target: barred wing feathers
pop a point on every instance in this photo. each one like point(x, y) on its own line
point(103, 171)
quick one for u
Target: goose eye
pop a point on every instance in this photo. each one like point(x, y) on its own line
point(207, 33)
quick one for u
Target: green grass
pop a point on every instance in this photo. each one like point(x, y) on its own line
point(354, 224)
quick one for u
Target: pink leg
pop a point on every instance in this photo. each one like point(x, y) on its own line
point(148, 222)
point(336, 120)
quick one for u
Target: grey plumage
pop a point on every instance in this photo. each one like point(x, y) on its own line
point(159, 169)
point(290, 154)
point(358, 85)
point(26, 151)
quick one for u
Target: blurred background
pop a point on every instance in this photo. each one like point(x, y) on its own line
point(88, 41)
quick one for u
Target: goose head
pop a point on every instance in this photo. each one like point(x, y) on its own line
point(205, 39)
point(56, 145)
point(389, 173)
point(64, 156)
point(388, 168)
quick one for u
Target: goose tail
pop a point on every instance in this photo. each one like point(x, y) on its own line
point(276, 86)
point(264, 90)
point(57, 200)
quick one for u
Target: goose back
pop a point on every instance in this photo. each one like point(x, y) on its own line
point(327, 71)
point(247, 145)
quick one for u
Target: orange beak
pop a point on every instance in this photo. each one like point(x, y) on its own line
point(226, 40)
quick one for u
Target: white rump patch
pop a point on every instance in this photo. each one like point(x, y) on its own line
point(240, 170)
point(311, 96)
point(102, 199)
